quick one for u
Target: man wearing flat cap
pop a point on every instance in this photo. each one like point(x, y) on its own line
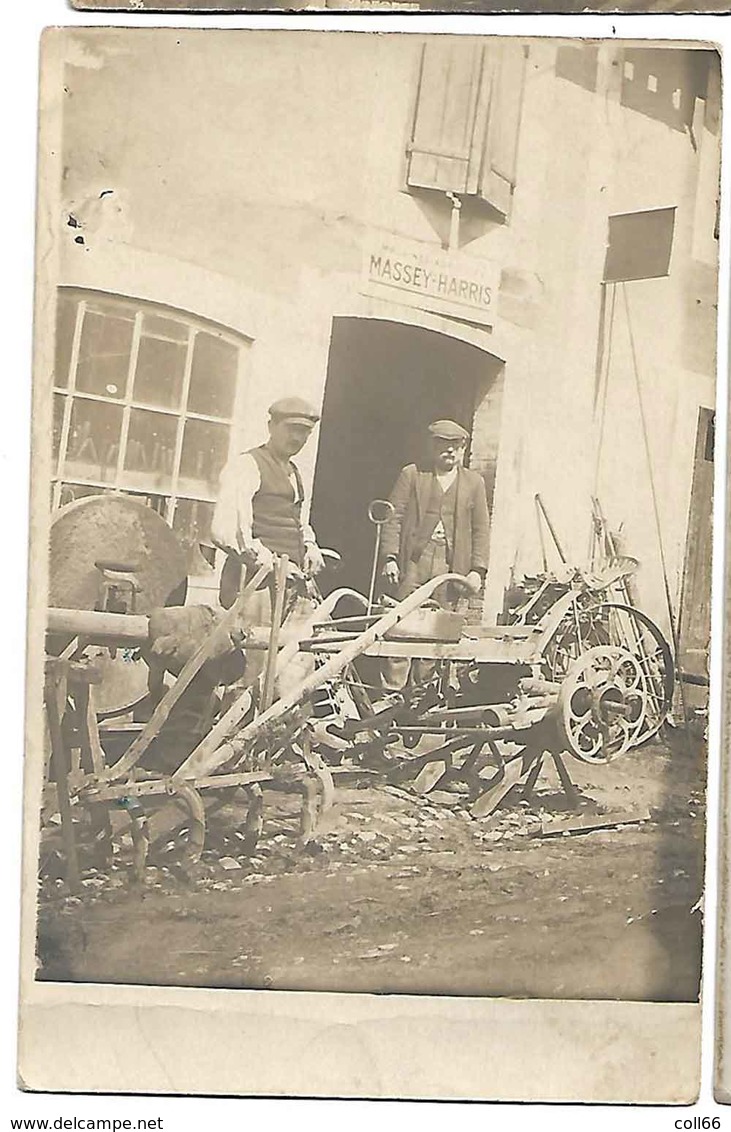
point(261, 508)
point(440, 524)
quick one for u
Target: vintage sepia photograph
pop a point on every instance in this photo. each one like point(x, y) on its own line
point(373, 482)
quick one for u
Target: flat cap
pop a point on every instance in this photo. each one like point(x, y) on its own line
point(447, 430)
point(295, 409)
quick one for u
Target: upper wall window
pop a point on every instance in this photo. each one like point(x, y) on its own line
point(144, 401)
point(663, 83)
point(464, 136)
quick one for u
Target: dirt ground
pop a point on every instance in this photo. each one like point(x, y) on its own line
point(405, 894)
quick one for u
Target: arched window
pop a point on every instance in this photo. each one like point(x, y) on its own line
point(144, 401)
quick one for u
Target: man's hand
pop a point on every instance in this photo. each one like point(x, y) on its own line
point(473, 581)
point(262, 557)
point(391, 571)
point(314, 560)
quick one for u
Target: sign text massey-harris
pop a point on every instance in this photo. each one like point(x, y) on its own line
point(448, 283)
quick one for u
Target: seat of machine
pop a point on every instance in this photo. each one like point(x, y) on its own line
point(115, 566)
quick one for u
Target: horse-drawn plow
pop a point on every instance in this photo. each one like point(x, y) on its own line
point(236, 709)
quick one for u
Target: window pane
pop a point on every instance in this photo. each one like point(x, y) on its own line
point(158, 327)
point(106, 342)
point(65, 323)
point(150, 451)
point(160, 370)
point(93, 440)
point(192, 524)
point(213, 376)
point(59, 403)
point(205, 448)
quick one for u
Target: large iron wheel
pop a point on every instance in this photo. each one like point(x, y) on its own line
point(612, 624)
point(603, 704)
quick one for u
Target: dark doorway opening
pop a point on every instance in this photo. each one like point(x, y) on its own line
point(386, 381)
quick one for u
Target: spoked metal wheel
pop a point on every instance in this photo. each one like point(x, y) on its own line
point(628, 628)
point(620, 626)
point(581, 629)
point(605, 707)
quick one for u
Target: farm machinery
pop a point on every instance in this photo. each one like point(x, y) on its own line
point(218, 707)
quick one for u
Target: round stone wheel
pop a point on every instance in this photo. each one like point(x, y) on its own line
point(119, 529)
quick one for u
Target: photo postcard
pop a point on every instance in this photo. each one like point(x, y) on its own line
point(371, 538)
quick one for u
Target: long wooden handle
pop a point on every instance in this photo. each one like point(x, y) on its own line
point(270, 671)
point(153, 726)
point(195, 765)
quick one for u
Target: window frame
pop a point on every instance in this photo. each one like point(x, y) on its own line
point(86, 299)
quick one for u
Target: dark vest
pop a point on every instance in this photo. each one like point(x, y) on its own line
point(277, 508)
point(442, 505)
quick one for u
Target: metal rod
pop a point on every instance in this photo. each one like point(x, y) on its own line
point(549, 524)
point(674, 627)
point(544, 557)
point(695, 678)
point(388, 511)
point(459, 732)
point(374, 569)
point(361, 620)
point(454, 222)
point(569, 787)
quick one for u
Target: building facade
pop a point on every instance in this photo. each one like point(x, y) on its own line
point(520, 235)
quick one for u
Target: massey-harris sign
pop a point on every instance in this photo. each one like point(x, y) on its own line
point(444, 282)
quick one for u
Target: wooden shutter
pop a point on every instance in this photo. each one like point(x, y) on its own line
point(503, 125)
point(449, 116)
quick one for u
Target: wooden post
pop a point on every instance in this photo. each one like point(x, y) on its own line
point(270, 671)
point(515, 770)
point(55, 692)
point(91, 749)
point(572, 794)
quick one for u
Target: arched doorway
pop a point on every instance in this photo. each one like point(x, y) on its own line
point(386, 381)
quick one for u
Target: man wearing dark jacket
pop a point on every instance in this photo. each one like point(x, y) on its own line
point(440, 525)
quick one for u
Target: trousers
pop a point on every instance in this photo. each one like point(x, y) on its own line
point(397, 672)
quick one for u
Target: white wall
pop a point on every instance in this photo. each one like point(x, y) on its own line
point(260, 192)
